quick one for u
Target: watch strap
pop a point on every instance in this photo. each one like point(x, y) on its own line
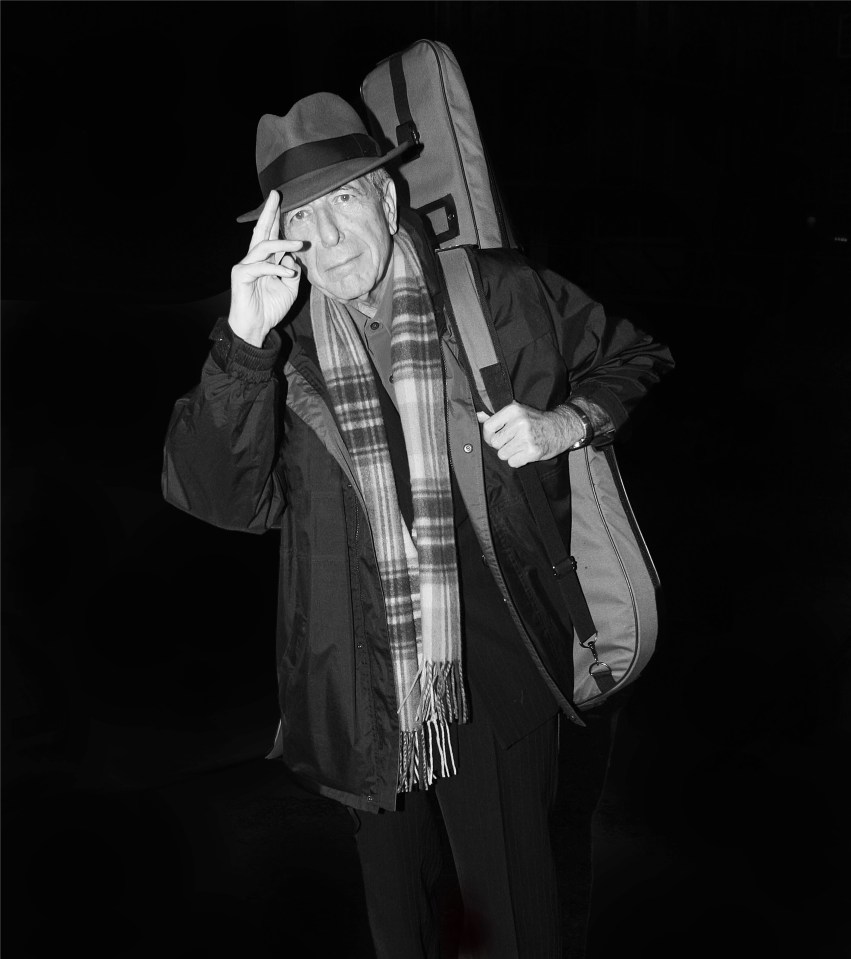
point(587, 425)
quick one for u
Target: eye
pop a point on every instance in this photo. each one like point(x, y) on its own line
point(344, 197)
point(294, 217)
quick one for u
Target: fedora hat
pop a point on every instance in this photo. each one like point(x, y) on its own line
point(318, 146)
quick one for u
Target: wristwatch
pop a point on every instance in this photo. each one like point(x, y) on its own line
point(588, 426)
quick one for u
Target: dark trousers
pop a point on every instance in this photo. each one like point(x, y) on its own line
point(496, 814)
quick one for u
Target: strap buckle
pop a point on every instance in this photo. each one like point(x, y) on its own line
point(598, 668)
point(567, 565)
point(407, 132)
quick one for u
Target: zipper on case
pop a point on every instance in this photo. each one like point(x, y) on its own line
point(633, 522)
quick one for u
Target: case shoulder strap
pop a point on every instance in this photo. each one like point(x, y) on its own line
point(484, 361)
point(406, 129)
point(472, 329)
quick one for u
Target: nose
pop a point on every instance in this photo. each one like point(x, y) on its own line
point(327, 229)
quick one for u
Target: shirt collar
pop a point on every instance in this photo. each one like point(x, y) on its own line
point(383, 313)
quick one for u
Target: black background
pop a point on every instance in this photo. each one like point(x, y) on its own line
point(688, 165)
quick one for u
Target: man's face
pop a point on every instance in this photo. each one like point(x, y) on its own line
point(348, 238)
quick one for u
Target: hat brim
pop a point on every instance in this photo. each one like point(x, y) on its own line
point(311, 186)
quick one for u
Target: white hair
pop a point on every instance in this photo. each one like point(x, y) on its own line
point(378, 178)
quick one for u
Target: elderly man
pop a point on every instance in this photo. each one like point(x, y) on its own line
point(422, 661)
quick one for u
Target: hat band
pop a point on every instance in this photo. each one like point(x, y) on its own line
point(311, 157)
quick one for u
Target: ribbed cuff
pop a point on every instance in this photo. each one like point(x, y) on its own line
point(232, 354)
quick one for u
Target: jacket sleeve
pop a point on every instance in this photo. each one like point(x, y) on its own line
point(610, 362)
point(222, 441)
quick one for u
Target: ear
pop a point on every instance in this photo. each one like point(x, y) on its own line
point(388, 202)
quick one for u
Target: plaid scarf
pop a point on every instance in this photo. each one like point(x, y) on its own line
point(418, 570)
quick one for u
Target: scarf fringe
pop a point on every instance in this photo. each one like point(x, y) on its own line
point(425, 753)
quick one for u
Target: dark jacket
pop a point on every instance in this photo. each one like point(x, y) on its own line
point(255, 445)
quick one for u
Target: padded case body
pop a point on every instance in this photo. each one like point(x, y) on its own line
point(420, 95)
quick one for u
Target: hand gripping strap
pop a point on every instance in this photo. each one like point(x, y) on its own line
point(485, 364)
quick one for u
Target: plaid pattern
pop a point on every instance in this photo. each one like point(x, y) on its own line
point(418, 571)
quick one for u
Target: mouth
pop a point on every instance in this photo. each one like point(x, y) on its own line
point(341, 264)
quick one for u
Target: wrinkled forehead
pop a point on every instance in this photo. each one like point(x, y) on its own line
point(361, 186)
point(367, 212)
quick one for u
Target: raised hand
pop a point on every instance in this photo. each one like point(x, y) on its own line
point(265, 282)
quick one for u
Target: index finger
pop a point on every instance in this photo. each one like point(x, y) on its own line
point(275, 228)
point(495, 422)
point(267, 222)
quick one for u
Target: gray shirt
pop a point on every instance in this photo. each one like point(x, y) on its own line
point(373, 325)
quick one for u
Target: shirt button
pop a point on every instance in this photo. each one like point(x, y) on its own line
point(391, 377)
point(374, 325)
point(468, 448)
